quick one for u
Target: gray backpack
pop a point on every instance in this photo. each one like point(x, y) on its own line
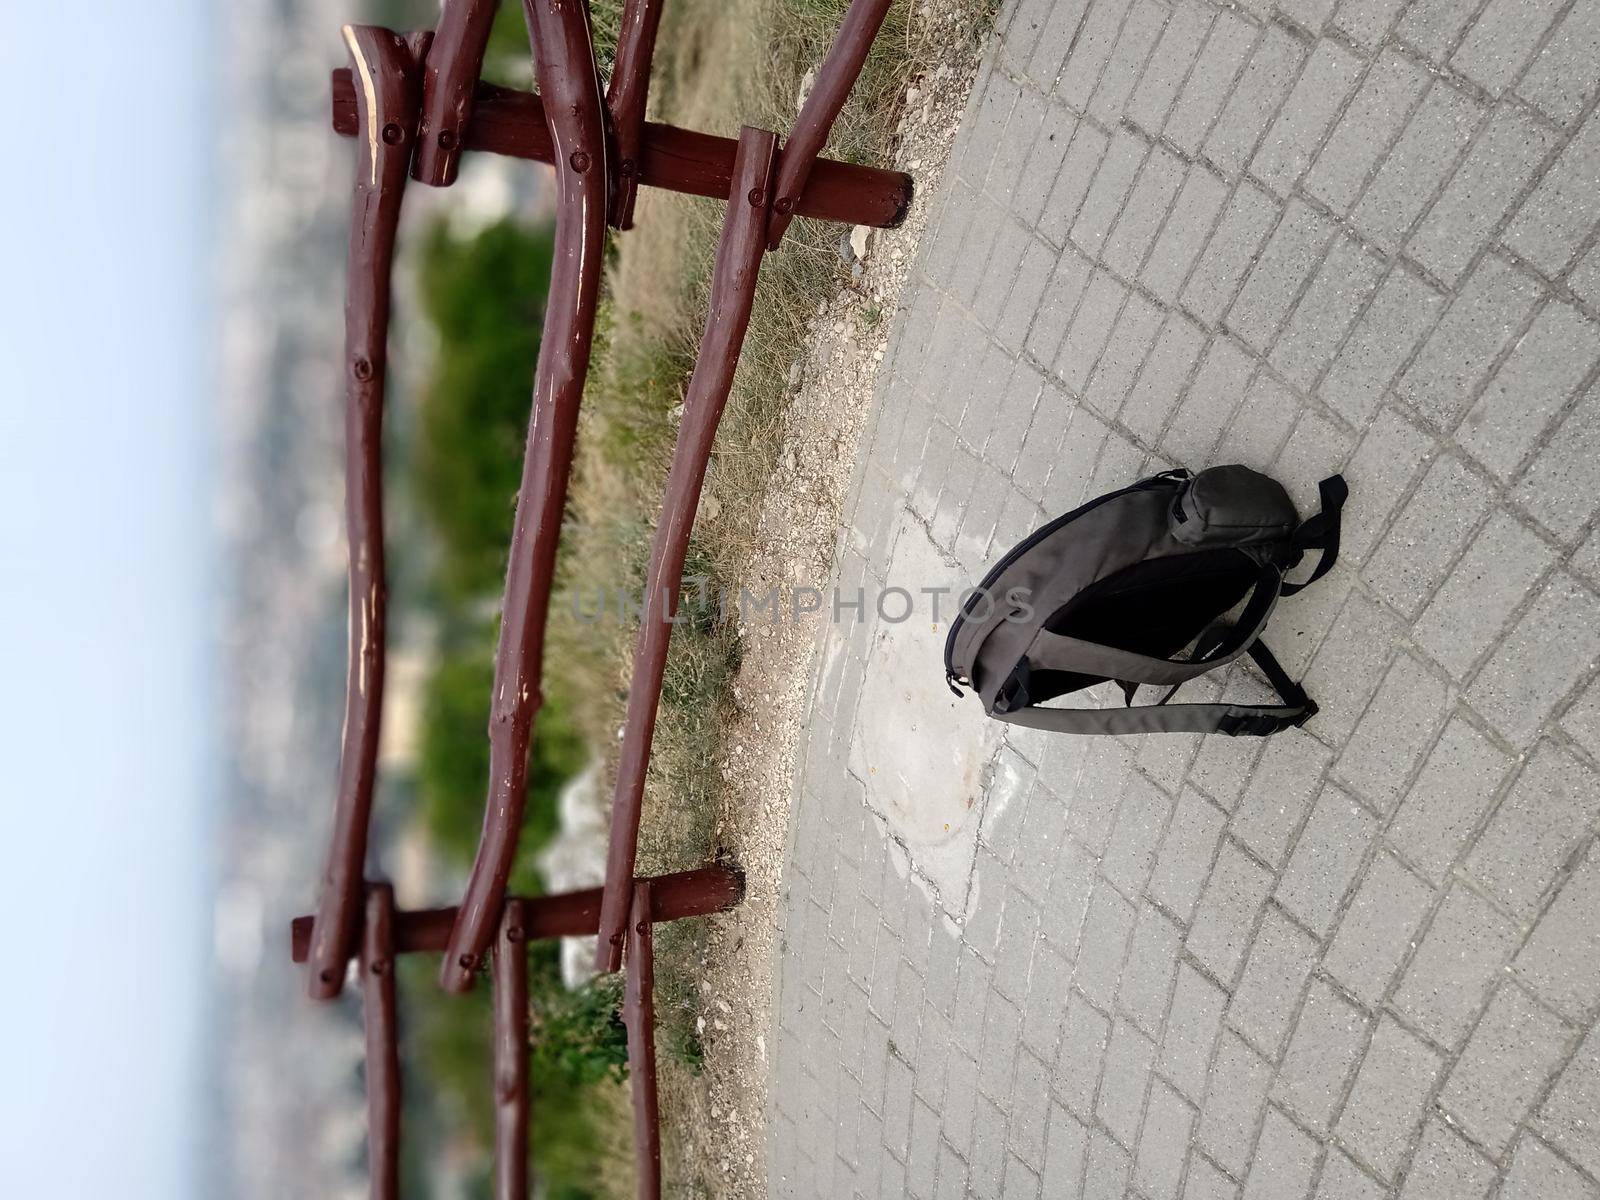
point(1118, 587)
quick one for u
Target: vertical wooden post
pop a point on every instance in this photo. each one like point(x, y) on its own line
point(448, 78)
point(626, 96)
point(733, 289)
point(639, 1016)
point(510, 972)
point(564, 63)
point(383, 1043)
point(387, 106)
point(837, 75)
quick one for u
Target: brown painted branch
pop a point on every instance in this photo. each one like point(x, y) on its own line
point(639, 1017)
point(387, 108)
point(696, 893)
point(837, 75)
point(511, 1055)
point(626, 96)
point(733, 288)
point(564, 63)
point(679, 160)
point(448, 78)
point(383, 1043)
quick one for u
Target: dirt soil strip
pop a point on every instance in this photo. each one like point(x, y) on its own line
point(800, 524)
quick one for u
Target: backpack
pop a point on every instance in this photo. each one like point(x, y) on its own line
point(1116, 588)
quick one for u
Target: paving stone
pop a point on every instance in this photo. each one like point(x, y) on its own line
point(1542, 821)
point(1129, 1059)
point(1174, 54)
point(1210, 82)
point(1245, 224)
point(1112, 182)
point(1090, 52)
point(1015, 142)
point(1131, 338)
point(1152, 962)
point(1284, 1162)
point(1318, 447)
point(1323, 1052)
point(1057, 125)
point(1001, 275)
point(1435, 525)
point(1550, 649)
point(1471, 609)
point(1083, 1048)
point(1066, 1147)
point(1156, 391)
point(1263, 84)
point(1183, 234)
point(1091, 328)
point(1488, 312)
point(1234, 1100)
point(1400, 314)
point(987, 1164)
point(1106, 931)
point(1106, 1177)
point(1206, 1182)
point(1220, 932)
point(1561, 959)
point(1192, 1025)
point(1342, 285)
point(1373, 119)
point(1133, 47)
point(1449, 799)
point(1286, 777)
point(1186, 852)
point(1551, 226)
point(1377, 928)
point(1326, 859)
point(1273, 284)
point(1292, 141)
point(1077, 173)
point(1482, 191)
point(1343, 1180)
point(1019, 927)
point(1555, 486)
point(1512, 1053)
point(1220, 382)
point(1568, 1116)
point(1030, 1109)
point(1566, 72)
point(1446, 1168)
point(1054, 42)
point(1419, 163)
point(1168, 1124)
point(1366, 21)
point(1145, 211)
point(1264, 1003)
point(1434, 26)
point(1260, 424)
point(1395, 732)
point(1530, 388)
point(1387, 1103)
point(1455, 966)
point(1537, 1174)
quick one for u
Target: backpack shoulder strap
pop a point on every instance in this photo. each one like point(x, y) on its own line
point(1321, 532)
point(1236, 720)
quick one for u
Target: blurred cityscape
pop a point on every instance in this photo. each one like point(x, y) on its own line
point(288, 1115)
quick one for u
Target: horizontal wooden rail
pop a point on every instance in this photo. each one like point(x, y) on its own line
point(381, 1026)
point(733, 291)
point(564, 63)
point(674, 897)
point(837, 75)
point(449, 75)
point(387, 110)
point(512, 123)
point(511, 1099)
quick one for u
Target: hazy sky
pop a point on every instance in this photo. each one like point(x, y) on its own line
point(105, 613)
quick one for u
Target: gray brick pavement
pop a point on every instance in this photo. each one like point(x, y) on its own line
point(1361, 960)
